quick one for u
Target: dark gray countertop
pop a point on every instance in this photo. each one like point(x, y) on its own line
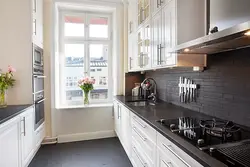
point(165, 110)
point(12, 111)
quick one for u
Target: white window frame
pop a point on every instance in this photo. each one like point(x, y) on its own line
point(86, 40)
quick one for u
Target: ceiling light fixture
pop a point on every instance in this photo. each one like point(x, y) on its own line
point(186, 50)
point(247, 33)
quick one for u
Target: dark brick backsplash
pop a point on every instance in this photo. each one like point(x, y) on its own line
point(224, 86)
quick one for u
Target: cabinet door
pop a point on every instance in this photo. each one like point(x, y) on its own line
point(168, 33)
point(126, 129)
point(117, 118)
point(156, 39)
point(155, 6)
point(139, 12)
point(9, 144)
point(146, 56)
point(163, 160)
point(27, 135)
point(139, 49)
point(131, 52)
point(38, 22)
point(132, 19)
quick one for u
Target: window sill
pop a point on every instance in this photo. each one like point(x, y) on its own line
point(86, 106)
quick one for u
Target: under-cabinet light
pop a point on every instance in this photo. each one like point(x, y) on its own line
point(247, 33)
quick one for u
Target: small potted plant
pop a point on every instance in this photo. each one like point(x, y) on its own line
point(86, 84)
point(6, 81)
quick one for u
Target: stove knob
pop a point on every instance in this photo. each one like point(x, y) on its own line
point(172, 127)
point(200, 142)
point(212, 150)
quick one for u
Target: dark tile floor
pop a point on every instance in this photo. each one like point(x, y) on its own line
point(94, 153)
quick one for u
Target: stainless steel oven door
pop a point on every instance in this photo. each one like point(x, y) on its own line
point(39, 113)
point(38, 83)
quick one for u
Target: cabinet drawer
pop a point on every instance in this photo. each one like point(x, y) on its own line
point(144, 127)
point(174, 153)
point(138, 158)
point(147, 145)
point(164, 160)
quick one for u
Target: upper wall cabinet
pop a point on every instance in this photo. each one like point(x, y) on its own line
point(132, 19)
point(174, 23)
point(156, 5)
point(38, 22)
point(143, 11)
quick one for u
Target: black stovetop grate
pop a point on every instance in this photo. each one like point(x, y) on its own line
point(238, 153)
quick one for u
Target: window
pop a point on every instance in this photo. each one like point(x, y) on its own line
point(85, 46)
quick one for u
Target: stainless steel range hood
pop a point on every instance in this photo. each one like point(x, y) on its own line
point(233, 38)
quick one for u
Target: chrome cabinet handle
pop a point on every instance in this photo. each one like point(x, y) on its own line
point(24, 126)
point(34, 26)
point(142, 57)
point(41, 101)
point(160, 47)
point(167, 163)
point(136, 131)
point(130, 63)
point(39, 76)
point(136, 153)
point(144, 126)
point(119, 111)
point(169, 148)
point(158, 4)
point(130, 27)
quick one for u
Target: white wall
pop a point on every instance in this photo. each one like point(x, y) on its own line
point(16, 47)
point(73, 124)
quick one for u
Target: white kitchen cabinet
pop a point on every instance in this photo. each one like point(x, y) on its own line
point(27, 135)
point(126, 130)
point(143, 11)
point(141, 60)
point(38, 22)
point(168, 34)
point(122, 126)
point(17, 146)
point(117, 119)
point(132, 58)
point(39, 136)
point(171, 154)
point(175, 23)
point(10, 144)
point(163, 160)
point(132, 19)
point(156, 35)
point(156, 5)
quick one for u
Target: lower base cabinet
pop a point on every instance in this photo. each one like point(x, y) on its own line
point(10, 144)
point(19, 141)
point(27, 136)
point(148, 148)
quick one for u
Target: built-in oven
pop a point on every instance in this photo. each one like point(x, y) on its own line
point(39, 109)
point(38, 85)
point(38, 81)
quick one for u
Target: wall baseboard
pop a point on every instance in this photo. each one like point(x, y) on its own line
point(85, 136)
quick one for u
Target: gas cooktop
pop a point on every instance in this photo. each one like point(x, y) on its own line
point(224, 140)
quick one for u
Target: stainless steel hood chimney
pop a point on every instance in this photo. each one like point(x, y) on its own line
point(233, 38)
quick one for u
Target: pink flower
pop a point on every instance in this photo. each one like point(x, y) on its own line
point(11, 69)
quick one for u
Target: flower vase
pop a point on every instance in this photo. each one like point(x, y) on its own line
point(86, 97)
point(3, 98)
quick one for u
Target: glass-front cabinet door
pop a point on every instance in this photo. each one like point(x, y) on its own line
point(146, 57)
point(140, 11)
point(168, 34)
point(156, 29)
point(143, 11)
point(139, 48)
